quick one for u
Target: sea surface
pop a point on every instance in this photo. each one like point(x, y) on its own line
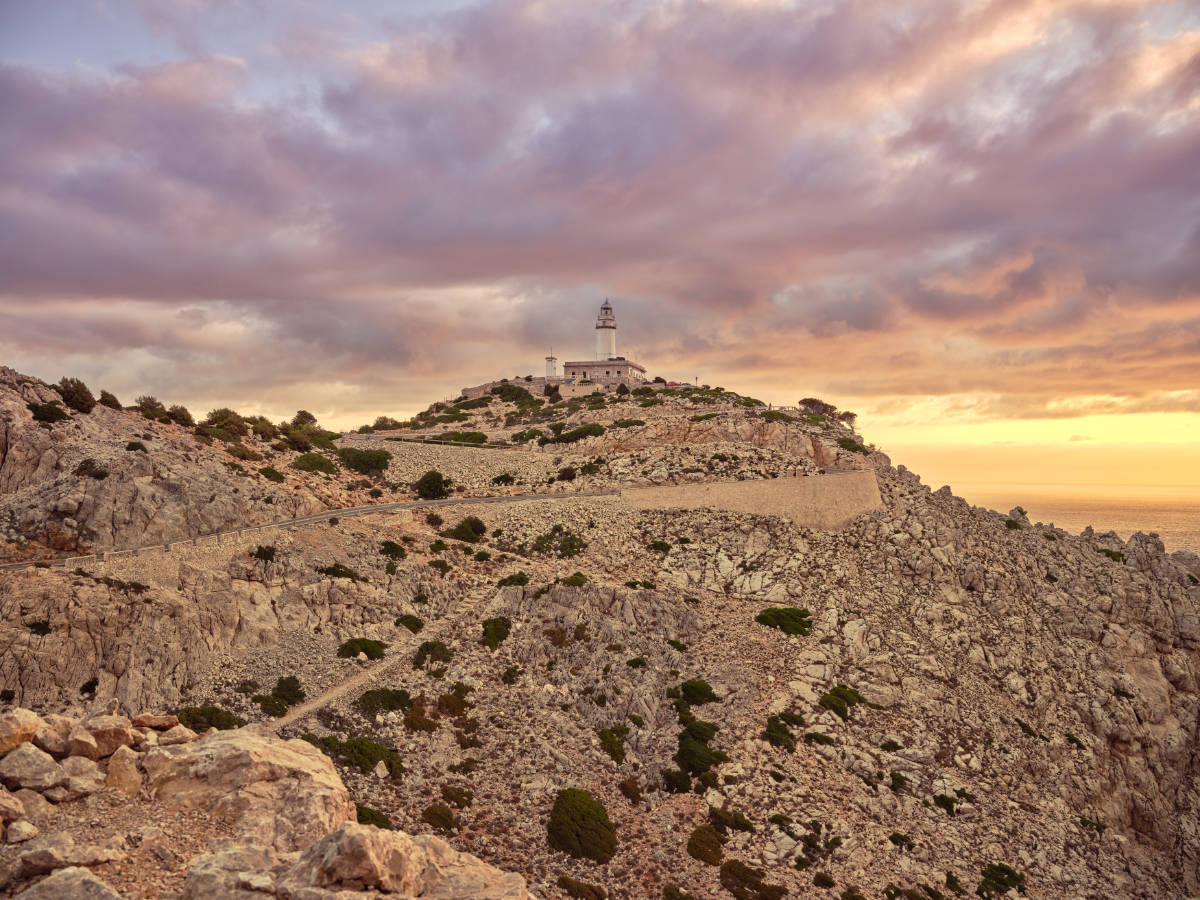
point(1172, 512)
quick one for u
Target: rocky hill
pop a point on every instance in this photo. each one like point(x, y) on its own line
point(935, 700)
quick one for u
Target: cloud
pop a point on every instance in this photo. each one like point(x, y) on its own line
point(938, 199)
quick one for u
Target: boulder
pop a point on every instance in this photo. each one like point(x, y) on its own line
point(109, 732)
point(123, 774)
point(356, 860)
point(20, 831)
point(29, 767)
point(158, 723)
point(11, 807)
point(284, 794)
point(179, 734)
point(75, 882)
point(54, 735)
point(81, 743)
point(58, 851)
point(16, 727)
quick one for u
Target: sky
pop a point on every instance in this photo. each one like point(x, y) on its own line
point(974, 223)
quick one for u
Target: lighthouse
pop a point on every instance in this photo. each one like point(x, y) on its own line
point(606, 333)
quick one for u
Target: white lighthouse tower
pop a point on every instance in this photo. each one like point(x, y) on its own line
point(606, 333)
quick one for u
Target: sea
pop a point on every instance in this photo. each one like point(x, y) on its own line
point(1172, 512)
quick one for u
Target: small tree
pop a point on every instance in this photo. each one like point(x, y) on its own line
point(433, 485)
point(622, 390)
point(579, 826)
point(109, 400)
point(76, 395)
point(180, 416)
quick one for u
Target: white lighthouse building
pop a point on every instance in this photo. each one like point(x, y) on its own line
point(607, 368)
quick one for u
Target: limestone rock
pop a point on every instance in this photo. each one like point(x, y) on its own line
point(159, 723)
point(83, 743)
point(123, 774)
point(178, 734)
point(286, 794)
point(58, 851)
point(74, 882)
point(54, 735)
point(11, 807)
point(29, 767)
point(16, 727)
point(20, 831)
point(109, 732)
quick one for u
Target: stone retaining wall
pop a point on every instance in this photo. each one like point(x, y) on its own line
point(825, 502)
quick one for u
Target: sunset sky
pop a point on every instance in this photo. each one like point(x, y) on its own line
point(977, 224)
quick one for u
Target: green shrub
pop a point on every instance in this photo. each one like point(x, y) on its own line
point(901, 840)
point(364, 462)
point(999, 879)
point(567, 473)
point(438, 546)
point(440, 565)
point(378, 700)
point(726, 820)
point(1114, 555)
point(465, 437)
point(612, 742)
point(339, 570)
point(787, 619)
point(1012, 525)
point(659, 547)
point(271, 474)
point(697, 692)
point(745, 883)
point(89, 468)
point(495, 631)
point(576, 580)
point(433, 485)
point(238, 450)
point(841, 699)
point(460, 797)
point(628, 423)
point(890, 746)
point(431, 652)
point(266, 554)
point(559, 541)
point(372, 648)
point(270, 705)
point(898, 782)
point(152, 409)
point(288, 690)
point(847, 443)
point(362, 753)
point(511, 674)
point(516, 579)
point(638, 662)
point(470, 529)
point(579, 826)
point(482, 556)
point(76, 395)
point(775, 415)
point(778, 734)
point(180, 416)
point(704, 844)
point(368, 816)
point(392, 550)
point(823, 880)
point(580, 890)
point(816, 737)
point(108, 399)
point(676, 781)
point(503, 479)
point(136, 446)
point(411, 622)
point(314, 462)
point(41, 627)
point(202, 718)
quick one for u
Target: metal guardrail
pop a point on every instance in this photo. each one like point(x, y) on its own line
point(350, 512)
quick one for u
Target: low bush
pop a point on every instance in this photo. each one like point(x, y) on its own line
point(745, 883)
point(362, 753)
point(816, 737)
point(676, 781)
point(470, 529)
point(777, 734)
point(367, 816)
point(433, 485)
point(901, 840)
point(89, 468)
point(201, 718)
point(458, 796)
point(372, 648)
point(841, 699)
point(266, 554)
point(516, 579)
point(787, 619)
point(288, 690)
point(579, 826)
point(629, 423)
point(567, 473)
point(364, 462)
point(371, 703)
point(392, 550)
point(180, 416)
point(339, 570)
point(612, 742)
point(638, 662)
point(890, 746)
point(698, 692)
point(76, 395)
point(503, 479)
point(580, 890)
point(136, 446)
point(439, 565)
point(848, 443)
point(1012, 525)
point(110, 400)
point(314, 462)
point(431, 652)
point(495, 631)
point(678, 645)
point(41, 627)
point(998, 880)
point(775, 415)
point(270, 705)
point(271, 474)
point(411, 622)
point(659, 546)
point(576, 580)
point(482, 556)
point(726, 820)
point(1114, 555)
point(511, 674)
point(704, 844)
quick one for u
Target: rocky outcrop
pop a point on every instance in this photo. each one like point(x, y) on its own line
point(355, 860)
point(284, 794)
point(75, 882)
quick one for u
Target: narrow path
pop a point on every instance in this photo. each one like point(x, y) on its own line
point(296, 713)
